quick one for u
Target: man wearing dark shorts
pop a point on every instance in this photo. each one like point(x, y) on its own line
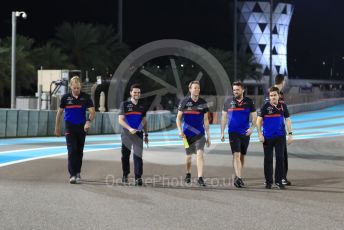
point(272, 117)
point(237, 111)
point(196, 124)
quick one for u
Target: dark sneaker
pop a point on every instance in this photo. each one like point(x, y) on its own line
point(138, 182)
point(201, 182)
point(72, 180)
point(125, 179)
point(280, 185)
point(268, 186)
point(241, 182)
point(188, 178)
point(237, 182)
point(78, 177)
point(286, 182)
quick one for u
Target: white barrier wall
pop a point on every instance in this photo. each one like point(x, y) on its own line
point(31, 123)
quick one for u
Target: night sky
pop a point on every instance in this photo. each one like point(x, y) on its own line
point(316, 33)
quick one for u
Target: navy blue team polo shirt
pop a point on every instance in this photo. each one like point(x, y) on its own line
point(133, 113)
point(273, 119)
point(238, 114)
point(193, 112)
point(75, 108)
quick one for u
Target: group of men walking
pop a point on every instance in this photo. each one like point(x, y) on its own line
point(239, 113)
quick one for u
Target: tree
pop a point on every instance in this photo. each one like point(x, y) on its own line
point(80, 42)
point(4, 73)
point(91, 47)
point(247, 67)
point(226, 60)
point(116, 51)
point(25, 70)
point(49, 56)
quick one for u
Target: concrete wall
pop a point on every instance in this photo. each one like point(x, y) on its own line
point(322, 103)
point(299, 108)
point(31, 123)
point(295, 97)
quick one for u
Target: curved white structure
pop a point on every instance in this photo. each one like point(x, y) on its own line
point(254, 33)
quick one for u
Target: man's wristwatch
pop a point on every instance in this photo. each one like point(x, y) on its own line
point(290, 133)
point(88, 119)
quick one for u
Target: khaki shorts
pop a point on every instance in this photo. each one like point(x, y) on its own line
point(195, 143)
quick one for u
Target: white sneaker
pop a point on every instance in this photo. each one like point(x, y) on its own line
point(286, 182)
point(78, 177)
point(72, 180)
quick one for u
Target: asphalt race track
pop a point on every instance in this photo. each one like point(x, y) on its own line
point(35, 193)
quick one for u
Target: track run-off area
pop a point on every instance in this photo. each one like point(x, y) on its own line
point(323, 123)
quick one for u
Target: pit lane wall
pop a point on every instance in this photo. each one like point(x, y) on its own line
point(33, 123)
point(321, 104)
point(297, 108)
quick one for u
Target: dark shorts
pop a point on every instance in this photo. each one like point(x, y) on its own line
point(239, 142)
point(195, 143)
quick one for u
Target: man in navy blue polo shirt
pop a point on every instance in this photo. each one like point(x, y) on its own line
point(132, 118)
point(75, 104)
point(280, 83)
point(196, 124)
point(272, 117)
point(238, 110)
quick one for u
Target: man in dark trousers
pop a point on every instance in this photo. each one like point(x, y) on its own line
point(196, 125)
point(280, 83)
point(133, 120)
point(238, 110)
point(75, 104)
point(272, 117)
